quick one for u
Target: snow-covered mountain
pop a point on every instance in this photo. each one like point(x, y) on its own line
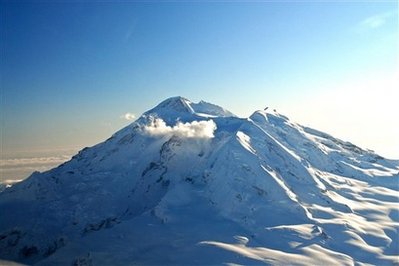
point(191, 183)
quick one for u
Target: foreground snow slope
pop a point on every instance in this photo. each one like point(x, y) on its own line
point(191, 183)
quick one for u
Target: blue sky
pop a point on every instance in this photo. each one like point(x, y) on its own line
point(70, 71)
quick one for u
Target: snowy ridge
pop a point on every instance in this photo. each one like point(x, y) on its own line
point(203, 186)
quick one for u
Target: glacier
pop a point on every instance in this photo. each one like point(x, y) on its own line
point(193, 184)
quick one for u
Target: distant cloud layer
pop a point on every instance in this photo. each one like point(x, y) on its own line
point(195, 129)
point(19, 162)
point(15, 169)
point(129, 116)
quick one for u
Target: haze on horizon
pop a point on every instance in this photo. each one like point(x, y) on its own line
point(74, 73)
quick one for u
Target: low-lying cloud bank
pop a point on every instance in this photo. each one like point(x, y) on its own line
point(20, 162)
point(195, 129)
point(16, 169)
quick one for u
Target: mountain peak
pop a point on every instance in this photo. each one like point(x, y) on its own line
point(179, 105)
point(268, 115)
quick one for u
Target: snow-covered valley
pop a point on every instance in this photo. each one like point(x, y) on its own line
point(191, 183)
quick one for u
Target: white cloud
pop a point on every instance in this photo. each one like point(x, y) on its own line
point(195, 129)
point(15, 169)
point(128, 116)
point(21, 162)
point(375, 21)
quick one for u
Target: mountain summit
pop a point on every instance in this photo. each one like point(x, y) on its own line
point(191, 183)
point(180, 106)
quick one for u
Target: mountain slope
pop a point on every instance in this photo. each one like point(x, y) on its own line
point(191, 183)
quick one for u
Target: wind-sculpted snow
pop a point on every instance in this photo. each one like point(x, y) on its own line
point(192, 184)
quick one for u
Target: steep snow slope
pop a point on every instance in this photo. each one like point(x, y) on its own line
point(190, 183)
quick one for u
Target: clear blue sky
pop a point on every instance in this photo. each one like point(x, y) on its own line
point(69, 71)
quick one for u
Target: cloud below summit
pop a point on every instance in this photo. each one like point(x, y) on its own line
point(195, 129)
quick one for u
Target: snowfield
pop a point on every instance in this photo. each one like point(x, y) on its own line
point(193, 184)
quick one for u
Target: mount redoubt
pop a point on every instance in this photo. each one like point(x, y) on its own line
point(193, 184)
